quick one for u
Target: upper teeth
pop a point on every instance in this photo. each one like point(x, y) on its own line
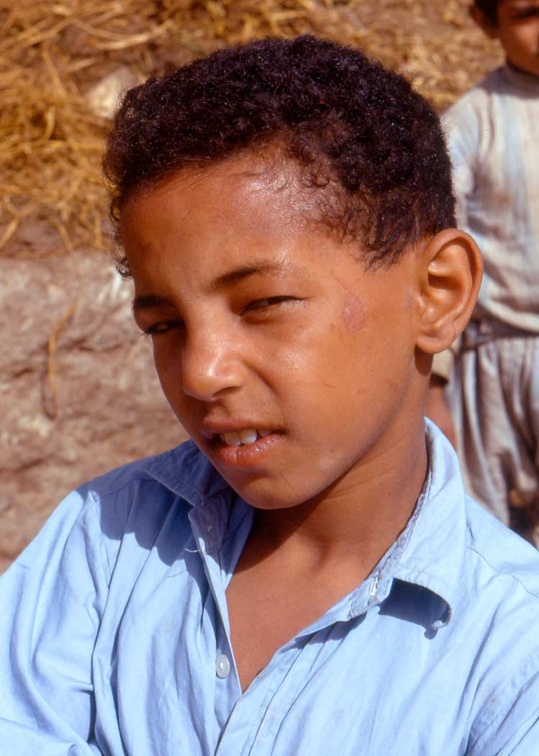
point(245, 436)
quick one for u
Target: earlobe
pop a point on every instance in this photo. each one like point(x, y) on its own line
point(450, 276)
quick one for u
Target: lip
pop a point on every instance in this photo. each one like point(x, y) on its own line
point(246, 456)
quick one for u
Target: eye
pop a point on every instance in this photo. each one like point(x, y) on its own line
point(268, 302)
point(164, 326)
point(526, 13)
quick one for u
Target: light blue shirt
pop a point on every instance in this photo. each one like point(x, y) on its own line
point(114, 633)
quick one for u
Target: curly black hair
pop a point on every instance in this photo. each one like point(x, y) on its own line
point(359, 134)
point(489, 8)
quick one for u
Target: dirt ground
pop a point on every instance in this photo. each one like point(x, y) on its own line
point(77, 393)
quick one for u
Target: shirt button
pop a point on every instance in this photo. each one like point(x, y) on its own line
point(222, 666)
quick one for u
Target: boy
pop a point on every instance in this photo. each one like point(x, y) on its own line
point(493, 134)
point(305, 576)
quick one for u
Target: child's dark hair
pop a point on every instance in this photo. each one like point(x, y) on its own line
point(360, 135)
point(489, 8)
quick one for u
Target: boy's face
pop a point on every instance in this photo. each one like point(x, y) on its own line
point(289, 364)
point(517, 28)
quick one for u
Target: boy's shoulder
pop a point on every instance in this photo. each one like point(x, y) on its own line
point(478, 122)
point(500, 549)
point(495, 576)
point(502, 84)
point(133, 504)
point(182, 472)
point(460, 550)
point(145, 493)
point(501, 555)
point(478, 96)
point(487, 577)
point(499, 612)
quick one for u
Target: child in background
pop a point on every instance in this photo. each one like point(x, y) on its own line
point(306, 576)
point(493, 391)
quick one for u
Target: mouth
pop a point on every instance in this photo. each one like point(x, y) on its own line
point(243, 437)
point(236, 448)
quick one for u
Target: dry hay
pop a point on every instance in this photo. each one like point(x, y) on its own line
point(54, 51)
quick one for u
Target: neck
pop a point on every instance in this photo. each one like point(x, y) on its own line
point(359, 517)
point(526, 76)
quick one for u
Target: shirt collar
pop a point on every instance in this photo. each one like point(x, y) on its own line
point(429, 553)
point(433, 557)
point(188, 473)
point(527, 84)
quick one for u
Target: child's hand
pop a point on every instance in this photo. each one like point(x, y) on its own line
point(437, 410)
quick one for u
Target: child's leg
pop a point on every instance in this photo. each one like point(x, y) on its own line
point(495, 398)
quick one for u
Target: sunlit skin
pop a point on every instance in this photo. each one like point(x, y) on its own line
point(517, 28)
point(262, 322)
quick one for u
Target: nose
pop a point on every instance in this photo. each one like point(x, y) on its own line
point(211, 364)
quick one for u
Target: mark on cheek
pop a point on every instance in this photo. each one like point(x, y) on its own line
point(354, 314)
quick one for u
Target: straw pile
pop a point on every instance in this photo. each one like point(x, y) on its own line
point(53, 52)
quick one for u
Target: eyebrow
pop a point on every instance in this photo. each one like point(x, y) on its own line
point(525, 6)
point(224, 281)
point(245, 271)
point(149, 302)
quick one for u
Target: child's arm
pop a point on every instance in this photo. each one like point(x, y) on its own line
point(49, 605)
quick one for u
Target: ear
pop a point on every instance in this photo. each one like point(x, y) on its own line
point(484, 22)
point(450, 275)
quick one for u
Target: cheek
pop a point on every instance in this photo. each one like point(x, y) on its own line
point(169, 373)
point(354, 314)
point(522, 42)
point(162, 364)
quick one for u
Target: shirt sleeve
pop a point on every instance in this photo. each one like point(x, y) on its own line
point(50, 603)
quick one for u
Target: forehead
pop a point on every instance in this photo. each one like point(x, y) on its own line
point(253, 194)
point(243, 179)
point(219, 218)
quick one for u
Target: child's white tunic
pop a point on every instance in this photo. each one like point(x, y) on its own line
point(493, 138)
